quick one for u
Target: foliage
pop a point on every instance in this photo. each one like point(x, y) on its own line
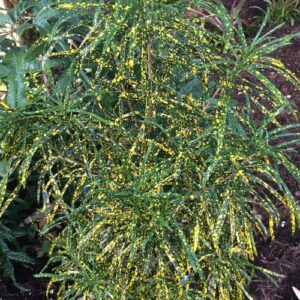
point(283, 11)
point(12, 250)
point(237, 6)
point(140, 129)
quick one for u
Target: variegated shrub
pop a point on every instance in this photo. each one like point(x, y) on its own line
point(139, 120)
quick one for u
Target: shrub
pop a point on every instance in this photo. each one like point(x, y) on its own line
point(141, 125)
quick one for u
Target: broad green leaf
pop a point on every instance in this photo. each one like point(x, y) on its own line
point(5, 19)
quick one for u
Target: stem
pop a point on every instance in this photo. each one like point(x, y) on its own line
point(211, 99)
point(149, 64)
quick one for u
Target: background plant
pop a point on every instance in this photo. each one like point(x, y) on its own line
point(147, 164)
point(13, 249)
point(283, 11)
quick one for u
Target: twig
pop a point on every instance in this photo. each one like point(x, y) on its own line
point(149, 49)
point(211, 99)
point(38, 215)
point(149, 63)
point(233, 5)
point(128, 100)
point(200, 13)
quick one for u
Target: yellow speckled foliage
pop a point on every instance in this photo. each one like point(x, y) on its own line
point(153, 161)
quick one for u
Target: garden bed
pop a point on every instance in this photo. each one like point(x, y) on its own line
point(283, 255)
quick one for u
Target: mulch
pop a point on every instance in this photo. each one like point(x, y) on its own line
point(282, 255)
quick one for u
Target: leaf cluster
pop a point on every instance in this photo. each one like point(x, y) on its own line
point(13, 249)
point(283, 11)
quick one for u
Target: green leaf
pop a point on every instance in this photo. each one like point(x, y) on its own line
point(14, 63)
point(8, 272)
point(4, 167)
point(271, 87)
point(20, 257)
point(218, 228)
point(5, 19)
point(193, 87)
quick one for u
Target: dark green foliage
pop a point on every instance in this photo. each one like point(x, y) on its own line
point(150, 167)
point(283, 11)
point(12, 247)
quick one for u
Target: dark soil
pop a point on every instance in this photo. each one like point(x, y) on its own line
point(281, 256)
point(36, 288)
